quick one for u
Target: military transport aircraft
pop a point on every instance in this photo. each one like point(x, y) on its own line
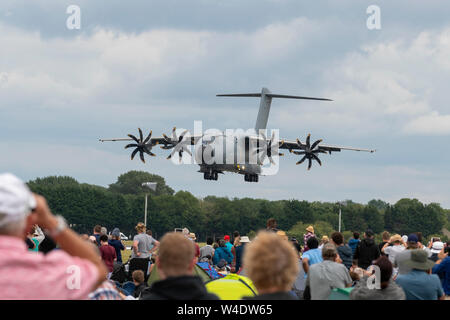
point(241, 152)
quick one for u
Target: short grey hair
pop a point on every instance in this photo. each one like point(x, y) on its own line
point(329, 251)
point(104, 230)
point(13, 227)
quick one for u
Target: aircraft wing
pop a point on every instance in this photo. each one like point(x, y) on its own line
point(294, 145)
point(154, 141)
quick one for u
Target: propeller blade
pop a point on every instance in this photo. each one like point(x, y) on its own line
point(134, 138)
point(141, 155)
point(308, 138)
point(280, 154)
point(315, 144)
point(147, 151)
point(310, 163)
point(299, 142)
point(148, 137)
point(170, 156)
point(188, 152)
point(180, 155)
point(271, 160)
point(134, 153)
point(182, 135)
point(130, 145)
point(317, 159)
point(174, 136)
point(301, 161)
point(299, 152)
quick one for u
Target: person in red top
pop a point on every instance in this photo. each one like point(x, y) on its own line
point(108, 253)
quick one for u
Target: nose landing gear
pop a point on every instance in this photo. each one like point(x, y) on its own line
point(251, 177)
point(211, 175)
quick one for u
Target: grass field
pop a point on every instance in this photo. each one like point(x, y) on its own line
point(127, 252)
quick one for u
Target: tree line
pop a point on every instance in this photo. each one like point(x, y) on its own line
point(121, 205)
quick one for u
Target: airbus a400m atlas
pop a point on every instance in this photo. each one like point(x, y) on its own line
point(244, 153)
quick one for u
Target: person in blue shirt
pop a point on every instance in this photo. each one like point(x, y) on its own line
point(117, 244)
point(353, 243)
point(222, 253)
point(418, 284)
point(442, 269)
point(313, 255)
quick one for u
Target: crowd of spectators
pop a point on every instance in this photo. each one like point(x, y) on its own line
point(70, 266)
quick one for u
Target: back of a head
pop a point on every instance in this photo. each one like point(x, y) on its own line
point(329, 252)
point(271, 262)
point(386, 236)
point(271, 223)
point(176, 254)
point(209, 241)
point(337, 238)
point(138, 276)
point(312, 243)
point(385, 270)
point(103, 230)
point(369, 233)
point(221, 243)
point(98, 228)
point(355, 235)
point(104, 238)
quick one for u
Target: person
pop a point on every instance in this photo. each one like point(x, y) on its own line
point(28, 275)
point(271, 225)
point(175, 262)
point(309, 234)
point(388, 289)
point(298, 287)
point(324, 241)
point(153, 242)
point(418, 284)
point(393, 248)
point(139, 282)
point(142, 243)
point(207, 252)
point(117, 244)
point(435, 249)
point(104, 231)
point(228, 244)
point(312, 256)
point(442, 269)
point(222, 253)
point(367, 251)
point(97, 233)
point(106, 291)
point(354, 242)
point(344, 251)
point(193, 238)
point(327, 275)
point(108, 254)
point(239, 249)
point(272, 265)
point(400, 259)
point(385, 239)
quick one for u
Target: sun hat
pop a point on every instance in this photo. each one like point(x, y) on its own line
point(310, 229)
point(437, 247)
point(419, 260)
point(185, 232)
point(192, 236)
point(405, 238)
point(325, 238)
point(16, 199)
point(244, 239)
point(395, 238)
point(282, 234)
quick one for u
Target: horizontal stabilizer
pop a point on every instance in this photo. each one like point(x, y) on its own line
point(270, 95)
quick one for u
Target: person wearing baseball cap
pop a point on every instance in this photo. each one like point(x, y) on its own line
point(418, 284)
point(400, 259)
point(27, 275)
point(228, 244)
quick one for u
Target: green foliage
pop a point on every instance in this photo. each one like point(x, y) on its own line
point(122, 205)
point(131, 183)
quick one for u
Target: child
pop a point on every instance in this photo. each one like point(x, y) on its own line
point(138, 280)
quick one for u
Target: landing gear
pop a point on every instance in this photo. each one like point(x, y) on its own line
point(211, 175)
point(251, 177)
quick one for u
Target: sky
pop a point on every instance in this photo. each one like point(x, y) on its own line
point(159, 64)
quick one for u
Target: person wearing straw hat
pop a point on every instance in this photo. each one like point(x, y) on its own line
point(397, 246)
point(306, 236)
point(419, 284)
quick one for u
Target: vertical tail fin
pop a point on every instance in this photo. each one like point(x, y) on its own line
point(265, 102)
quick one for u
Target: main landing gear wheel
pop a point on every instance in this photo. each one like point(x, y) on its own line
point(211, 175)
point(251, 177)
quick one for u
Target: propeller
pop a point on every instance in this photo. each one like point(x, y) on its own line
point(266, 149)
point(309, 151)
point(176, 143)
point(141, 145)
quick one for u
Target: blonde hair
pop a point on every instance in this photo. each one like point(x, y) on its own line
point(175, 254)
point(271, 262)
point(140, 227)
